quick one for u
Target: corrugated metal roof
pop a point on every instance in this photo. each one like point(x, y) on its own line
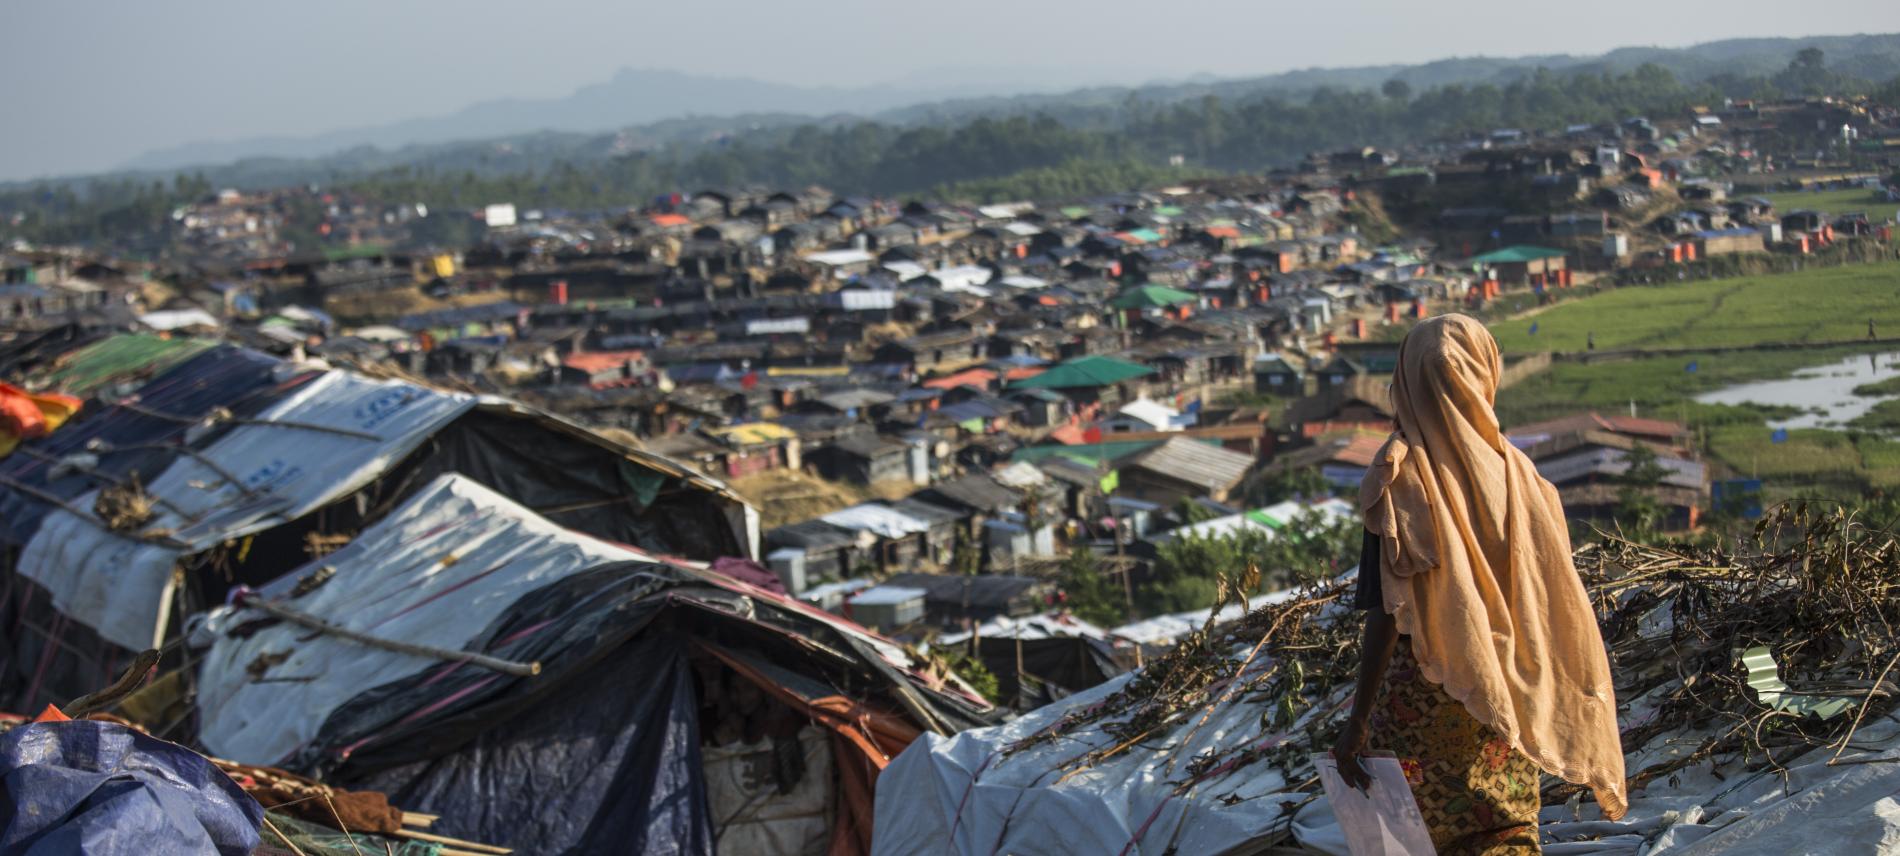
point(1196, 463)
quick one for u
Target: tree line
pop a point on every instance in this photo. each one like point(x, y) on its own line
point(1084, 153)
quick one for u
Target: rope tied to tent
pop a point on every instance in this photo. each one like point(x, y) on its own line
point(84, 464)
point(156, 536)
point(224, 415)
point(497, 664)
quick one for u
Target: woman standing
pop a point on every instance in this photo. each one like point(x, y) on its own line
point(1478, 629)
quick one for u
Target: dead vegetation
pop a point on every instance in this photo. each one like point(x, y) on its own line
point(1808, 601)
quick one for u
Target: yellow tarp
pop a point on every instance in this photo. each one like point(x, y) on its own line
point(754, 433)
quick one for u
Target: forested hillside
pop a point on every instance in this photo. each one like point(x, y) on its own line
point(982, 158)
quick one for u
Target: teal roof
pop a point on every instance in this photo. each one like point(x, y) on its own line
point(1083, 372)
point(1090, 454)
point(1151, 297)
point(1517, 253)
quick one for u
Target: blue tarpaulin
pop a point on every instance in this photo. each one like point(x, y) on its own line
point(101, 788)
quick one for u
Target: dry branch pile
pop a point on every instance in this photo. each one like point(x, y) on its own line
point(1813, 586)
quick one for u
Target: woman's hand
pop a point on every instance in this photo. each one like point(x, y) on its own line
point(1346, 751)
point(1375, 654)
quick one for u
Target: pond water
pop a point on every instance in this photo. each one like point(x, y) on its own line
point(1825, 393)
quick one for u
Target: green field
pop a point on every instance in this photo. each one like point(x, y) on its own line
point(1835, 202)
point(1829, 304)
point(1832, 304)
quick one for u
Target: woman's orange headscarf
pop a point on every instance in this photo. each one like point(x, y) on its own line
point(1477, 568)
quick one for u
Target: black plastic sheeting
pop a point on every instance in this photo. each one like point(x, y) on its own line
point(609, 763)
point(101, 788)
point(33, 350)
point(1058, 667)
point(567, 627)
point(598, 754)
point(237, 379)
point(580, 485)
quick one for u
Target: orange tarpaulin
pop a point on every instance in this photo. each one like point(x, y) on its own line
point(863, 742)
point(30, 416)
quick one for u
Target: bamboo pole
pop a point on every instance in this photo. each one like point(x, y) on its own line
point(507, 667)
point(470, 846)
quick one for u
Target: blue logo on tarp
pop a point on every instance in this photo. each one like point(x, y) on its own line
point(377, 410)
point(276, 472)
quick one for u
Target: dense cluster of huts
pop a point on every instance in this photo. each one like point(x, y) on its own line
point(663, 505)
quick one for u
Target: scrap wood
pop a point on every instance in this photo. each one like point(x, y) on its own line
point(128, 681)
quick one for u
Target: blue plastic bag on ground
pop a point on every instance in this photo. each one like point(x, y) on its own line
point(100, 788)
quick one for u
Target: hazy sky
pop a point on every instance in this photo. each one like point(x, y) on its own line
point(88, 84)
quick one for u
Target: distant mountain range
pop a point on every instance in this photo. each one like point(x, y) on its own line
point(631, 97)
point(640, 109)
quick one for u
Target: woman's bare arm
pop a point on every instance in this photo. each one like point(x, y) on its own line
point(1381, 635)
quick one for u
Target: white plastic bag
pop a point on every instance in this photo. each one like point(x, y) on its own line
point(1382, 821)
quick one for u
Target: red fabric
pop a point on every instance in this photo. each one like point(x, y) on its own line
point(52, 714)
point(19, 414)
point(749, 571)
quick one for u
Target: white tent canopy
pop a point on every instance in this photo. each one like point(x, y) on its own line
point(454, 536)
point(327, 439)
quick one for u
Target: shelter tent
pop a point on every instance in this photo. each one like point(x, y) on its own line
point(674, 708)
point(210, 467)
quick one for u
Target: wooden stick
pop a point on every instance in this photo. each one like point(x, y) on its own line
point(508, 667)
point(419, 820)
point(443, 839)
point(285, 838)
point(128, 681)
point(341, 827)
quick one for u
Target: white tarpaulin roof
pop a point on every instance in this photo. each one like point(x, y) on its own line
point(120, 584)
point(906, 270)
point(965, 278)
point(839, 258)
point(1266, 520)
point(454, 536)
point(963, 795)
point(1152, 412)
point(1051, 625)
point(877, 519)
point(177, 319)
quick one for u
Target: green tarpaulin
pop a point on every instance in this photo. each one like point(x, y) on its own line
point(1517, 254)
point(1084, 372)
point(118, 358)
point(1151, 297)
